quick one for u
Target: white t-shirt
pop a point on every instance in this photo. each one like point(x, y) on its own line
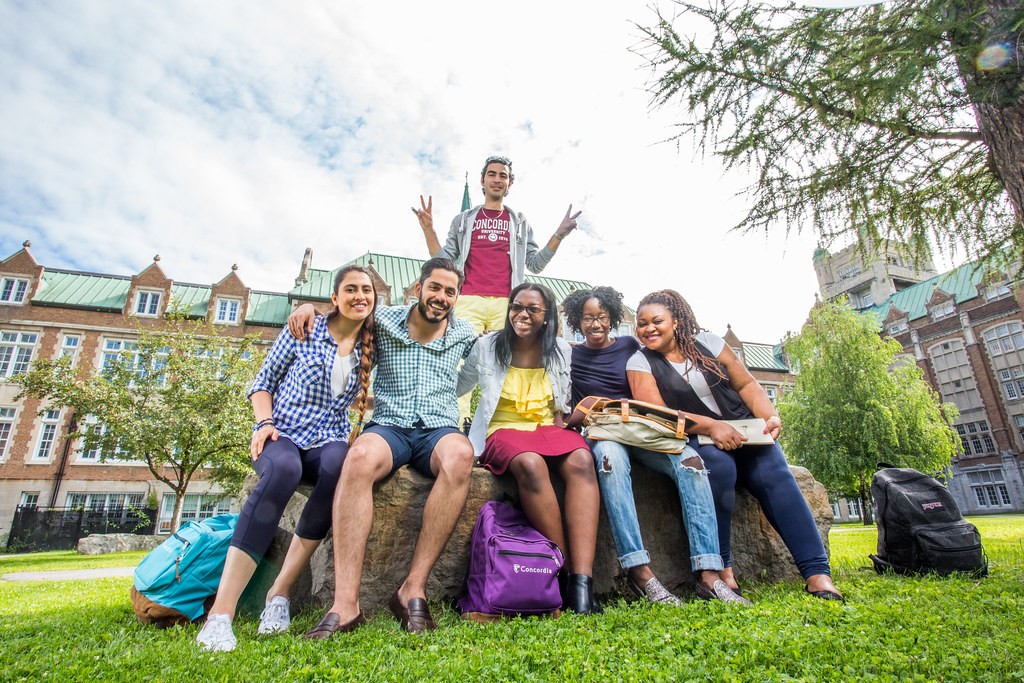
point(342, 370)
point(638, 362)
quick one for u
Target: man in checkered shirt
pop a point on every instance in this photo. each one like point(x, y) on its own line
point(414, 423)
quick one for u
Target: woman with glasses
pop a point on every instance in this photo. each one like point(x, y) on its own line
point(523, 372)
point(598, 368)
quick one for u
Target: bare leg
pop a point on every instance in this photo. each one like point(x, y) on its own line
point(367, 462)
point(238, 569)
point(540, 505)
point(452, 463)
point(821, 582)
point(582, 506)
point(299, 552)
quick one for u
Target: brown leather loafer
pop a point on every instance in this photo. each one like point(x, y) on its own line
point(329, 625)
point(414, 617)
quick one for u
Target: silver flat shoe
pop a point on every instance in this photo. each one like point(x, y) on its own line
point(654, 592)
point(720, 591)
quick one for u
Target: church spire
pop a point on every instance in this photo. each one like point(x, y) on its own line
point(466, 203)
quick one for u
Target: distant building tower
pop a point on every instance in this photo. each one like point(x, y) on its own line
point(868, 276)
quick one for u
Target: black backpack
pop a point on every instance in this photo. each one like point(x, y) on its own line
point(920, 528)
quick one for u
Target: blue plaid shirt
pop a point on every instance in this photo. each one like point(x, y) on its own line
point(415, 382)
point(298, 375)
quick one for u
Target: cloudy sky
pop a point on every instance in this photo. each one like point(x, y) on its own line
point(215, 133)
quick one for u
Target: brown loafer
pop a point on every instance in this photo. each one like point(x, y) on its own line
point(329, 625)
point(414, 617)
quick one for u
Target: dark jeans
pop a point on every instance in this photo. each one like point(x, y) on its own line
point(282, 467)
point(764, 472)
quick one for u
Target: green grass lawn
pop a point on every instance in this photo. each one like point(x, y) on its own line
point(890, 629)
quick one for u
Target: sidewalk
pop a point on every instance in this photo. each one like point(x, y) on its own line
point(69, 574)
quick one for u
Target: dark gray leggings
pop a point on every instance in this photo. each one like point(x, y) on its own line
point(282, 467)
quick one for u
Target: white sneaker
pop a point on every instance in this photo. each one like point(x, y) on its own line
point(276, 616)
point(216, 634)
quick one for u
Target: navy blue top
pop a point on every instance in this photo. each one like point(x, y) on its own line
point(602, 372)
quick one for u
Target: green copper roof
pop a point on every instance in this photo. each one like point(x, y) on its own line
point(91, 291)
point(962, 283)
point(194, 299)
point(267, 308)
point(764, 356)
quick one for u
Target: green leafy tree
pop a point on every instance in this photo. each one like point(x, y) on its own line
point(175, 399)
point(856, 403)
point(899, 120)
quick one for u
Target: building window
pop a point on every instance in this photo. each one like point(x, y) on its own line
point(772, 393)
point(850, 271)
point(147, 303)
point(69, 346)
point(122, 503)
point(227, 311)
point(892, 260)
point(976, 438)
point(835, 510)
point(1012, 381)
point(13, 290)
point(6, 427)
point(96, 454)
point(943, 310)
point(897, 327)
point(1019, 420)
point(998, 287)
point(47, 435)
point(1004, 338)
point(16, 352)
point(954, 376)
point(989, 488)
point(29, 499)
point(853, 506)
point(194, 508)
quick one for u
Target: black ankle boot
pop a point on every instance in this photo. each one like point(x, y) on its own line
point(580, 595)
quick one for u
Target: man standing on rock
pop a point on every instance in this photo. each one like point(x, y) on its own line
point(494, 245)
point(414, 418)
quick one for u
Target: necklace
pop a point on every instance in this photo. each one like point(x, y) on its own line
point(497, 215)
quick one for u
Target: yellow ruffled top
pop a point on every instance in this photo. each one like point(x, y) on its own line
point(526, 401)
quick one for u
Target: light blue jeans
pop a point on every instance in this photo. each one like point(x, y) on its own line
point(613, 476)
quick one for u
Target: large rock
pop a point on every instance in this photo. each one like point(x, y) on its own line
point(102, 544)
point(758, 552)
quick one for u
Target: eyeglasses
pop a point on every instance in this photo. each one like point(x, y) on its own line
point(532, 310)
point(498, 160)
point(590, 320)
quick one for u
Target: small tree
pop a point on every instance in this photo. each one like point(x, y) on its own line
point(174, 399)
point(856, 403)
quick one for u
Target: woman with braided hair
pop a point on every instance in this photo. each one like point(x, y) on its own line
point(301, 397)
point(689, 369)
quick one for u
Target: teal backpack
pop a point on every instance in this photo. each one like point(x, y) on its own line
point(173, 582)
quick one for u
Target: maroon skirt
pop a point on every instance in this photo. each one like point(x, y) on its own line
point(547, 440)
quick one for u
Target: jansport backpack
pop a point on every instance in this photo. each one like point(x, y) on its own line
point(513, 568)
point(175, 580)
point(920, 528)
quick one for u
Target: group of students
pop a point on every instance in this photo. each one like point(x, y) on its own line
point(530, 378)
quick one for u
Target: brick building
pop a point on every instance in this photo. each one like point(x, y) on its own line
point(964, 329)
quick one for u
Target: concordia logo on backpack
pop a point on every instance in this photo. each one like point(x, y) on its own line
point(531, 570)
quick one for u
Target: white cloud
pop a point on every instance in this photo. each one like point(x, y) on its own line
point(220, 133)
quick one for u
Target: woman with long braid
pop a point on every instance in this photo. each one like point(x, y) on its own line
point(301, 397)
point(689, 369)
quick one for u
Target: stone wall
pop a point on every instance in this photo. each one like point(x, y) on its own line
point(758, 552)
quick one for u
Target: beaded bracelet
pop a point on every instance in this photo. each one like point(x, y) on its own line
point(263, 423)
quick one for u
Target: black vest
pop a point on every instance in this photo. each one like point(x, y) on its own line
point(679, 395)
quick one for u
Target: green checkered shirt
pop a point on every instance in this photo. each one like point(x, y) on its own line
point(415, 383)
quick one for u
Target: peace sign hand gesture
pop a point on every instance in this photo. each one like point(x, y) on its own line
point(425, 215)
point(568, 223)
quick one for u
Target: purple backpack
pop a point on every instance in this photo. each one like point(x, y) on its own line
point(513, 568)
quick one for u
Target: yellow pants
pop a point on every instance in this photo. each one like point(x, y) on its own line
point(485, 314)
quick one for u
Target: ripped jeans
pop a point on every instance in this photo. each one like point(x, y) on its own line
point(613, 476)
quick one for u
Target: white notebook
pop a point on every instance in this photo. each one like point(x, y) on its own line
point(753, 429)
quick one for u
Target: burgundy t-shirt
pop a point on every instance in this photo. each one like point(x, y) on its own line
point(488, 269)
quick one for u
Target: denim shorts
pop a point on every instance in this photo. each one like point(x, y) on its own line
point(411, 446)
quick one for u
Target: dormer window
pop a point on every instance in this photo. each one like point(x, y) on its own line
point(897, 327)
point(227, 311)
point(943, 310)
point(147, 303)
point(13, 290)
point(997, 289)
